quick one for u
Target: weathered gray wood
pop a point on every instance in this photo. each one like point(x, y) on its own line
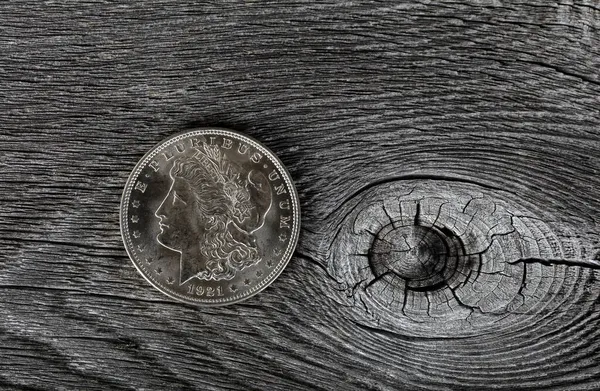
point(362, 101)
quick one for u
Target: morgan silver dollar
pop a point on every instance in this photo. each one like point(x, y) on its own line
point(210, 217)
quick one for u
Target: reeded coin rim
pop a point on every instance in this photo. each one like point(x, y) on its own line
point(205, 131)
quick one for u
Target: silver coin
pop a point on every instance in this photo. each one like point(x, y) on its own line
point(210, 217)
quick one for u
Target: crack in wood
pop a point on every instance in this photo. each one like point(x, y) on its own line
point(589, 263)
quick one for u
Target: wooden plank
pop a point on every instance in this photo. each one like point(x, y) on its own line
point(477, 123)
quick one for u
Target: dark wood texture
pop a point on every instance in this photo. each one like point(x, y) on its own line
point(490, 108)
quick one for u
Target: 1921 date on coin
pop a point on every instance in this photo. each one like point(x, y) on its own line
point(210, 216)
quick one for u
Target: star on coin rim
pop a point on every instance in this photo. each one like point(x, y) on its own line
point(124, 217)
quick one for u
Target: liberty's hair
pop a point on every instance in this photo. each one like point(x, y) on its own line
point(216, 209)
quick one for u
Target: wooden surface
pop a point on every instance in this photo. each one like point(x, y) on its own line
point(481, 118)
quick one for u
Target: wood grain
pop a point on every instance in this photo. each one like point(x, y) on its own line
point(491, 101)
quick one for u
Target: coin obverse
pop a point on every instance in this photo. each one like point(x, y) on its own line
point(210, 217)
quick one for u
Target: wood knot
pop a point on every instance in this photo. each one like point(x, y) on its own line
point(453, 258)
point(416, 257)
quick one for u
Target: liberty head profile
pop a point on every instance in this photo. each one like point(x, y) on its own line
point(210, 214)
